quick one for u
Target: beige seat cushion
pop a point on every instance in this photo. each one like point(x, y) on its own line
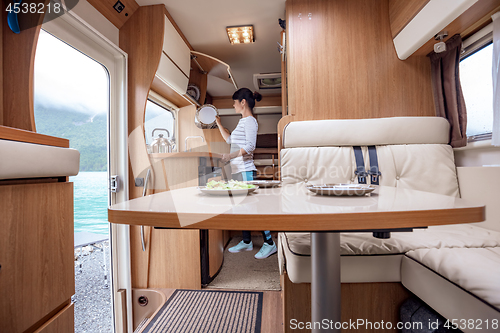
point(379, 255)
point(369, 268)
point(26, 160)
point(363, 132)
point(459, 283)
point(476, 270)
point(406, 166)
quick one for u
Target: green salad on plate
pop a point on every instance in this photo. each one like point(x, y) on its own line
point(230, 185)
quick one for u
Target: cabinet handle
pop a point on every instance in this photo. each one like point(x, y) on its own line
point(144, 194)
point(142, 239)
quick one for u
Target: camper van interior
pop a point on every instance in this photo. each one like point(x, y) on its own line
point(373, 160)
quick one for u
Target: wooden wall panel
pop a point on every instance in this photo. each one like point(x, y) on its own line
point(284, 98)
point(185, 117)
point(105, 7)
point(471, 21)
point(401, 12)
point(214, 142)
point(373, 302)
point(1, 69)
point(15, 134)
point(140, 260)
point(341, 64)
point(143, 59)
point(18, 69)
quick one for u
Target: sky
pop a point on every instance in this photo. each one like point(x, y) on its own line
point(65, 77)
point(477, 86)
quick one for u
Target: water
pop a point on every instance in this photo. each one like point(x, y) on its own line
point(91, 202)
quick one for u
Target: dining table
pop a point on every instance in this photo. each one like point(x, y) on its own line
point(293, 207)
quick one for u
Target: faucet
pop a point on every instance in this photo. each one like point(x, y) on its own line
point(192, 137)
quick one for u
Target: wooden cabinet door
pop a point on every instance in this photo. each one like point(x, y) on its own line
point(215, 250)
point(175, 259)
point(62, 322)
point(36, 253)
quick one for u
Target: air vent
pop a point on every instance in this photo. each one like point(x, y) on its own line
point(267, 82)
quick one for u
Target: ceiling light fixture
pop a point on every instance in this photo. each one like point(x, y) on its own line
point(240, 34)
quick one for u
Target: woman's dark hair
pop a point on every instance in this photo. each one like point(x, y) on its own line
point(248, 95)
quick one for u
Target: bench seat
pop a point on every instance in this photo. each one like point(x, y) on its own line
point(459, 283)
point(369, 259)
point(412, 152)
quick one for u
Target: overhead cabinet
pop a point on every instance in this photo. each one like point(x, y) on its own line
point(175, 60)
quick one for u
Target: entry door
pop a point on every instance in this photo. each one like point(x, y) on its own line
point(78, 34)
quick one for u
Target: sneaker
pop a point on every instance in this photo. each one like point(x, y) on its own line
point(266, 250)
point(242, 246)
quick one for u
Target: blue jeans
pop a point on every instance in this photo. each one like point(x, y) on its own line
point(243, 176)
point(247, 238)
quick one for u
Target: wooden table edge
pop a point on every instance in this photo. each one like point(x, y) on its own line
point(288, 222)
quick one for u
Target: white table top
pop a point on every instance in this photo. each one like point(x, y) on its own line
point(294, 208)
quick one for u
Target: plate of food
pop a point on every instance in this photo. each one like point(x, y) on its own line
point(232, 187)
point(341, 189)
point(265, 183)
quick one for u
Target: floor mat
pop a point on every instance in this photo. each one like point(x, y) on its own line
point(201, 311)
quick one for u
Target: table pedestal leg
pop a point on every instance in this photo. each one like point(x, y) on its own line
point(325, 284)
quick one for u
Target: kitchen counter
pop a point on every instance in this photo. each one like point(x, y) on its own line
point(182, 169)
point(185, 154)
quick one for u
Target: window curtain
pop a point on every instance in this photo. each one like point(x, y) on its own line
point(495, 140)
point(448, 97)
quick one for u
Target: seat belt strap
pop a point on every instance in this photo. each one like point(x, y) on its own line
point(374, 171)
point(360, 165)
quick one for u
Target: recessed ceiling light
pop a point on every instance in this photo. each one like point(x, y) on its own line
point(240, 34)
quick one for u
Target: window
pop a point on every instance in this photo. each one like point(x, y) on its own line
point(72, 100)
point(477, 87)
point(158, 118)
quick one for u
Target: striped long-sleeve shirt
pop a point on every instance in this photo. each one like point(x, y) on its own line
point(244, 136)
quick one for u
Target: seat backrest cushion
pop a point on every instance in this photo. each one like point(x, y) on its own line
point(482, 185)
point(422, 162)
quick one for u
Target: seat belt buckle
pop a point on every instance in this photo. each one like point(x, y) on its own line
point(361, 176)
point(375, 174)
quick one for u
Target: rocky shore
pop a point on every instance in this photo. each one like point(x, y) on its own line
point(93, 289)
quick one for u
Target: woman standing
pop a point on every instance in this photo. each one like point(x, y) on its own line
point(242, 141)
